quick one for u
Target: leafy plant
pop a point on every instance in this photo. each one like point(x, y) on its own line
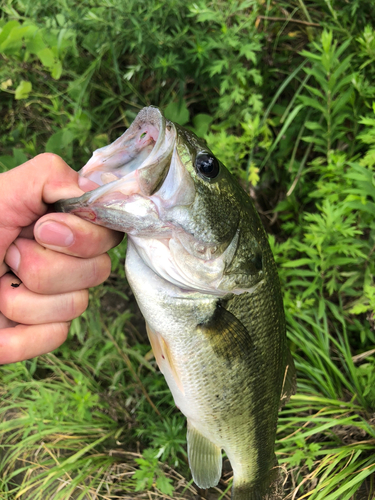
point(332, 97)
point(150, 471)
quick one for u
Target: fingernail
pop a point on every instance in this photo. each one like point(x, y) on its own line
point(13, 257)
point(54, 233)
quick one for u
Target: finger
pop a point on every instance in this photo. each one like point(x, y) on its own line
point(47, 272)
point(23, 306)
point(5, 322)
point(27, 232)
point(26, 190)
point(25, 342)
point(71, 235)
point(3, 269)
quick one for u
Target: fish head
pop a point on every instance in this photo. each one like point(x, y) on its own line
point(163, 186)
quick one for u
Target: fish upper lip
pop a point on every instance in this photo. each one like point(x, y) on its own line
point(137, 161)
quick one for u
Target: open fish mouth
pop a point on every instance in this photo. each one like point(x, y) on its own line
point(136, 163)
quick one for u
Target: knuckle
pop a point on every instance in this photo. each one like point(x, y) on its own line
point(101, 268)
point(51, 162)
point(60, 332)
point(49, 158)
point(33, 277)
point(9, 306)
point(81, 302)
point(85, 230)
point(101, 239)
point(10, 299)
point(76, 303)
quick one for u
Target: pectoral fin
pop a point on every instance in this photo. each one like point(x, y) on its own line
point(163, 356)
point(228, 336)
point(204, 458)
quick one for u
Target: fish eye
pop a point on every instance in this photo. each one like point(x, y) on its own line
point(207, 165)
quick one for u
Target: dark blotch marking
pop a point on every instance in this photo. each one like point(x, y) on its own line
point(257, 260)
point(15, 285)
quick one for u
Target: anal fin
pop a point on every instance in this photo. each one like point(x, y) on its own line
point(204, 458)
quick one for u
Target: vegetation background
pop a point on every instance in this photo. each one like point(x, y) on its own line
point(284, 93)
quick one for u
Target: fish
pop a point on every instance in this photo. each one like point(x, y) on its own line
point(201, 268)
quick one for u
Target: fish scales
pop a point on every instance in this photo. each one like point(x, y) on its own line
point(201, 269)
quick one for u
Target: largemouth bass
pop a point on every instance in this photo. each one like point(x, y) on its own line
point(201, 269)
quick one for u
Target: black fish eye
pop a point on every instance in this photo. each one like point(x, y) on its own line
point(207, 165)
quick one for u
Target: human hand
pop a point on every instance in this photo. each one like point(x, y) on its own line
point(56, 257)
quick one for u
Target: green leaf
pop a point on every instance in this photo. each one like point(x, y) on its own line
point(35, 43)
point(319, 76)
point(202, 123)
point(283, 130)
point(23, 90)
point(339, 103)
point(253, 174)
point(313, 126)
point(314, 140)
point(368, 207)
point(297, 263)
point(164, 484)
point(248, 51)
point(359, 309)
point(7, 29)
point(58, 142)
point(308, 101)
point(19, 156)
point(7, 162)
point(15, 40)
point(47, 57)
point(315, 91)
point(177, 112)
point(56, 70)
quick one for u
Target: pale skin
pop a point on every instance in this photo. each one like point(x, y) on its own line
point(53, 257)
